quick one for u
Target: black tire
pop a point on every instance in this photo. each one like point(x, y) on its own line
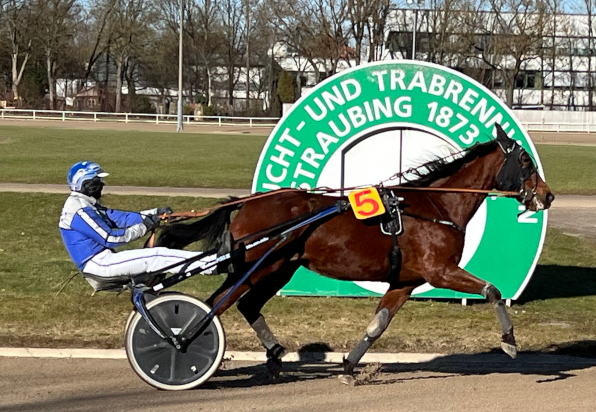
point(160, 364)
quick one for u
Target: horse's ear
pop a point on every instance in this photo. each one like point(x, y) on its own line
point(507, 144)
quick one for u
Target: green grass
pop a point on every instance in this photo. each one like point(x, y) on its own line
point(556, 309)
point(569, 169)
point(43, 155)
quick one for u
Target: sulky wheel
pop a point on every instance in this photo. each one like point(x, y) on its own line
point(160, 364)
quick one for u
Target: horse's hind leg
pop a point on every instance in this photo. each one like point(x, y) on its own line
point(391, 302)
point(250, 306)
point(459, 280)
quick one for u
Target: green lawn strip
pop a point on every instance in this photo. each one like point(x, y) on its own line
point(556, 309)
point(569, 169)
point(43, 155)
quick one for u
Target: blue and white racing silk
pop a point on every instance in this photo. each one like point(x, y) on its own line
point(88, 228)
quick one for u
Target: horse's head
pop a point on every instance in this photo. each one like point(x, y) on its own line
point(519, 174)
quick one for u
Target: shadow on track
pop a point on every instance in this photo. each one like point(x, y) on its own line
point(551, 364)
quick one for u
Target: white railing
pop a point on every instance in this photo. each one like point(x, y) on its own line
point(135, 117)
point(559, 127)
point(583, 125)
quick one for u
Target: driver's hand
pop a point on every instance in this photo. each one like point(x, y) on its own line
point(151, 221)
point(164, 210)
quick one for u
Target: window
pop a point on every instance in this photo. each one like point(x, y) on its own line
point(526, 80)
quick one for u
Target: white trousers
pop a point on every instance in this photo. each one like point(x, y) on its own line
point(138, 261)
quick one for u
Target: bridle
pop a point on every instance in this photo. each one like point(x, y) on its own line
point(513, 174)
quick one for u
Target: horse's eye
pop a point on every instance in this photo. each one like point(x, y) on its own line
point(526, 159)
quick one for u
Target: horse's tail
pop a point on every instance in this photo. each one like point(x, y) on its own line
point(209, 229)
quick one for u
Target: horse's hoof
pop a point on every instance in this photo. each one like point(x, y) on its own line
point(347, 380)
point(509, 349)
point(274, 368)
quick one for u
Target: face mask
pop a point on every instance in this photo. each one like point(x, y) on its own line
point(93, 187)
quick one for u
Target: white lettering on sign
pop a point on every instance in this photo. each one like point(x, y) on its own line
point(525, 216)
point(350, 90)
point(455, 108)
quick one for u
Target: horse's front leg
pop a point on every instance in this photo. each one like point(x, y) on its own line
point(251, 304)
point(390, 303)
point(459, 280)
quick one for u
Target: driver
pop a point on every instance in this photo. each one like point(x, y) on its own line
point(91, 232)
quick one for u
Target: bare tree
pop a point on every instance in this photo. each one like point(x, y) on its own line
point(57, 20)
point(232, 14)
point(513, 31)
point(95, 40)
point(375, 26)
point(131, 24)
point(18, 22)
point(316, 30)
point(206, 41)
point(367, 20)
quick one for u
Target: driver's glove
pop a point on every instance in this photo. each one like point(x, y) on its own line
point(151, 221)
point(164, 210)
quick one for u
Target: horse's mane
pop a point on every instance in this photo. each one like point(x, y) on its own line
point(427, 173)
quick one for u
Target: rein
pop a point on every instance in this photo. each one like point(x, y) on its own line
point(180, 216)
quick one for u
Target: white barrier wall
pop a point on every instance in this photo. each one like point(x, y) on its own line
point(560, 121)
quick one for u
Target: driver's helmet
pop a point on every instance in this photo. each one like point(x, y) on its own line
point(81, 172)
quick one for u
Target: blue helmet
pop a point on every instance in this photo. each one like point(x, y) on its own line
point(81, 172)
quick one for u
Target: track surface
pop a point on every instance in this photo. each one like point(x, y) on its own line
point(459, 383)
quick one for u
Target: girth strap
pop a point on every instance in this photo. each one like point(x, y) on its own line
point(439, 221)
point(392, 226)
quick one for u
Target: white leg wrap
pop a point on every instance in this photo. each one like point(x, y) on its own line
point(264, 333)
point(378, 324)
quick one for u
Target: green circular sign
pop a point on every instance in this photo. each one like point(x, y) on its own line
point(365, 124)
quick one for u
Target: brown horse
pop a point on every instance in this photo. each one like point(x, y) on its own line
point(342, 247)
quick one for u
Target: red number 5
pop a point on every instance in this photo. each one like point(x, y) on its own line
point(361, 201)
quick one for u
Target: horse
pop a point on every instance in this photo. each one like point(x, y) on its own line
point(346, 248)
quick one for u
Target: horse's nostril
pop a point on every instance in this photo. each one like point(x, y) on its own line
point(550, 197)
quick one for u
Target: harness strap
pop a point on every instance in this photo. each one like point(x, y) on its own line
point(439, 221)
point(393, 227)
point(341, 206)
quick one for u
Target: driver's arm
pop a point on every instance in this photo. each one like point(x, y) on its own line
point(89, 223)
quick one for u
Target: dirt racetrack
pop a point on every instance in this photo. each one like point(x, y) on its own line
point(475, 383)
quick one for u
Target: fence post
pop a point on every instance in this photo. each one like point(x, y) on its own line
point(157, 118)
point(126, 118)
point(219, 118)
point(63, 116)
point(94, 117)
point(250, 122)
point(33, 114)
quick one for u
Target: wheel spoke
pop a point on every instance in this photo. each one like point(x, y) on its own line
point(141, 350)
point(202, 353)
point(159, 312)
point(189, 322)
point(173, 357)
